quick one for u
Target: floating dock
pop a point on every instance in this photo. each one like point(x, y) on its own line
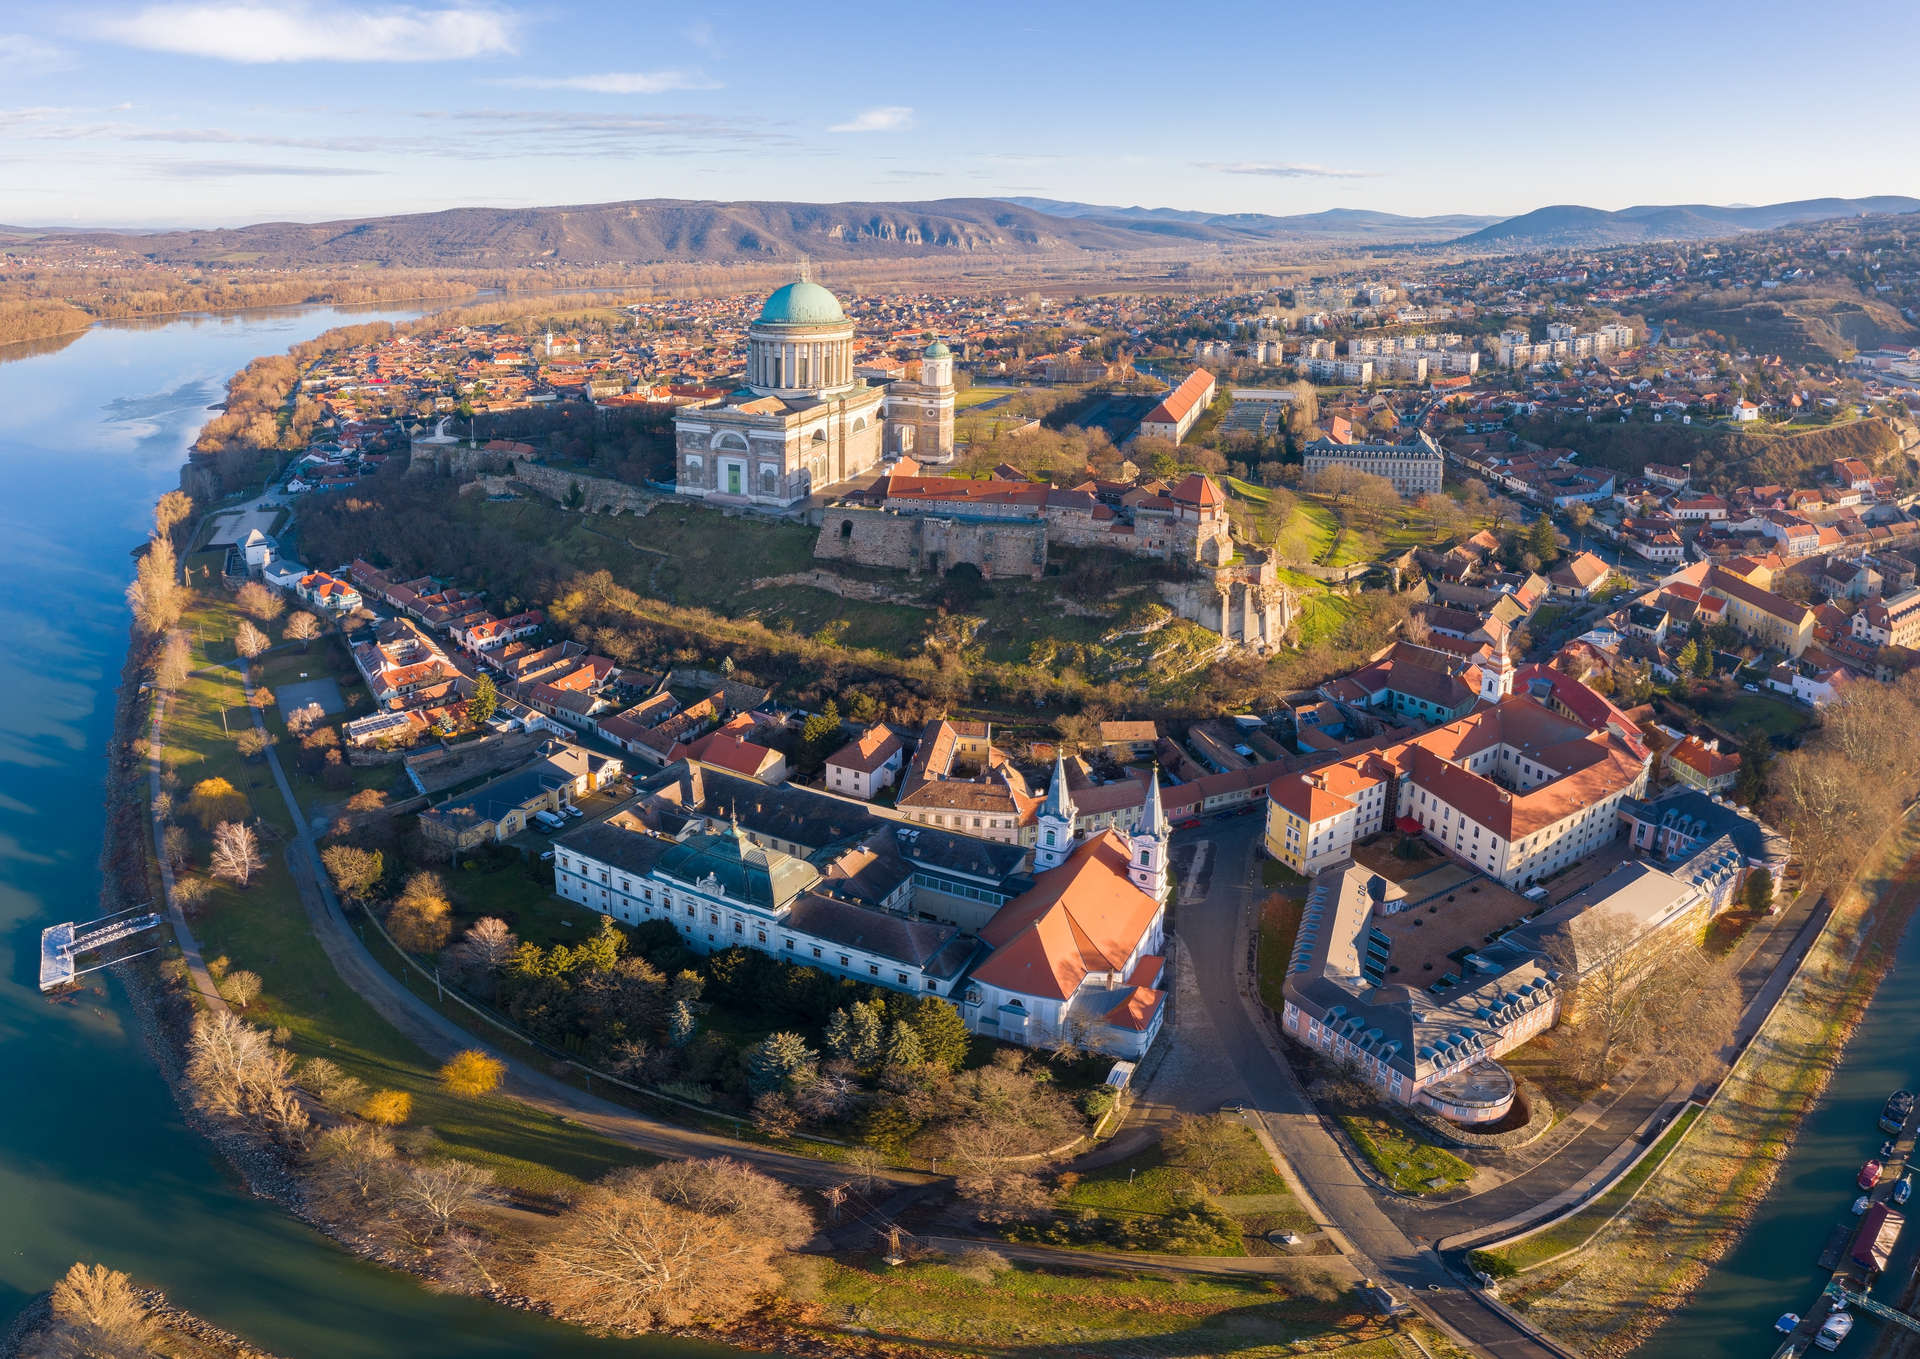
point(62, 945)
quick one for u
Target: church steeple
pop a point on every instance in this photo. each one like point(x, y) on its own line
point(1053, 839)
point(1148, 843)
point(1496, 677)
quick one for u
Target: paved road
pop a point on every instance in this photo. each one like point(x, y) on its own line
point(1215, 937)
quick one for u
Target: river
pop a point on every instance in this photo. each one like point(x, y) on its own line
point(1774, 1268)
point(96, 1163)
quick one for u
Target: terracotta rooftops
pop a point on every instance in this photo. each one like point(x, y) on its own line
point(1084, 916)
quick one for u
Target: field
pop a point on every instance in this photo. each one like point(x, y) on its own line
point(979, 396)
point(1095, 1314)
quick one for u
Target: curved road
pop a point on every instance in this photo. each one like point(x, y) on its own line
point(1215, 931)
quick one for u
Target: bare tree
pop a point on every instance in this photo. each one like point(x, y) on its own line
point(302, 627)
point(435, 1195)
point(1216, 1149)
point(236, 852)
point(260, 603)
point(249, 641)
point(170, 512)
point(867, 1165)
point(721, 1186)
point(241, 988)
point(485, 947)
point(175, 845)
point(236, 1072)
point(156, 596)
point(173, 662)
point(95, 1311)
point(621, 1257)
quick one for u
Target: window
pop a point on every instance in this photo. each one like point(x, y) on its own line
point(816, 952)
point(787, 944)
point(760, 936)
point(900, 977)
point(843, 960)
point(873, 969)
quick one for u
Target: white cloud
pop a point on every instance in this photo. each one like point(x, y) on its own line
point(892, 118)
point(1283, 170)
point(21, 50)
point(618, 82)
point(238, 31)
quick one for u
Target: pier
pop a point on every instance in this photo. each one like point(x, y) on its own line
point(1857, 1250)
point(62, 945)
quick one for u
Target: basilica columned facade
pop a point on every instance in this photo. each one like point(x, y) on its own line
point(803, 420)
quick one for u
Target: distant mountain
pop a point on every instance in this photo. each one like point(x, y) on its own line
point(1572, 225)
point(1334, 223)
point(659, 230)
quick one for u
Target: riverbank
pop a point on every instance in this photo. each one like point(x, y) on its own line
point(175, 1333)
point(1646, 1266)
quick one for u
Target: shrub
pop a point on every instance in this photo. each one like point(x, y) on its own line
point(472, 1073)
point(388, 1108)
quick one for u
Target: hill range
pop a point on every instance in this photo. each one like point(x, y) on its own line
point(688, 231)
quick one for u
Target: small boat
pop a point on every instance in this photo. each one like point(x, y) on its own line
point(1869, 1174)
point(1903, 1189)
point(1897, 1110)
point(1789, 1323)
point(1861, 1204)
point(1838, 1327)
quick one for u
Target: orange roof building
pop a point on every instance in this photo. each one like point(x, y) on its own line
point(1078, 955)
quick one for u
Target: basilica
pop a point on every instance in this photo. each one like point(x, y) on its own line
point(805, 419)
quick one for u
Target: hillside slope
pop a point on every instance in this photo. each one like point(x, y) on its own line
point(1568, 224)
point(659, 230)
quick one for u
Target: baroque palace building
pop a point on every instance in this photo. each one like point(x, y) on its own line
point(804, 420)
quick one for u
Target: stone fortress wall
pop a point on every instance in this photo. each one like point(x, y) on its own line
point(1244, 603)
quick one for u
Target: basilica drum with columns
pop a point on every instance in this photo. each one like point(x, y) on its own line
point(803, 420)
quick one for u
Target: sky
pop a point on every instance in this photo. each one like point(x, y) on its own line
point(218, 112)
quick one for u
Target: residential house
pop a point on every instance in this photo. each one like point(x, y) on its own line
point(868, 763)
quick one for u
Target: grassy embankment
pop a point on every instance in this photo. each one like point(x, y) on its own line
point(1690, 1211)
point(1149, 1185)
point(1098, 1314)
point(686, 556)
point(1572, 1232)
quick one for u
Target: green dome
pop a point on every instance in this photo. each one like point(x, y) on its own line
point(937, 350)
point(802, 304)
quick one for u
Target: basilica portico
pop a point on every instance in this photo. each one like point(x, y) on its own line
point(802, 421)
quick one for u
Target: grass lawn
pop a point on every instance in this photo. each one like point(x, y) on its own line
point(1741, 712)
point(1408, 1163)
point(978, 396)
point(1148, 1184)
point(1573, 1232)
point(264, 929)
point(1321, 616)
point(1279, 923)
point(1095, 1314)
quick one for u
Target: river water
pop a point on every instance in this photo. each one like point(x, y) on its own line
point(95, 1161)
point(1774, 1268)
